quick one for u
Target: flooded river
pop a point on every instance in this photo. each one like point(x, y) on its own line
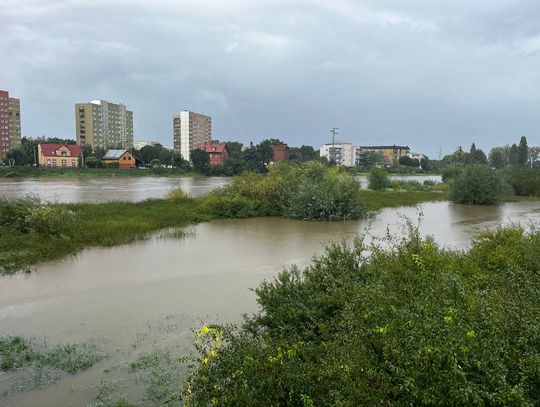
point(137, 298)
point(131, 189)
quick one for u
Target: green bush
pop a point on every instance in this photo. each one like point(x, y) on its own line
point(311, 191)
point(525, 182)
point(30, 215)
point(378, 179)
point(478, 185)
point(411, 325)
point(229, 206)
point(323, 194)
point(178, 195)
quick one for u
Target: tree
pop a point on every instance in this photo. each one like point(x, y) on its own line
point(497, 158)
point(476, 156)
point(378, 179)
point(522, 152)
point(409, 162)
point(201, 161)
point(234, 147)
point(265, 150)
point(478, 185)
point(369, 159)
point(513, 155)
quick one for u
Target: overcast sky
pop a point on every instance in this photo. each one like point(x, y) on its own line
point(427, 73)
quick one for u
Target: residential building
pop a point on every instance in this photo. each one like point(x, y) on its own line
point(101, 124)
point(217, 152)
point(190, 129)
point(391, 154)
point(59, 155)
point(123, 158)
point(281, 152)
point(10, 123)
point(340, 152)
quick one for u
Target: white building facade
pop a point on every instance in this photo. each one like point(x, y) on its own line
point(342, 153)
point(190, 129)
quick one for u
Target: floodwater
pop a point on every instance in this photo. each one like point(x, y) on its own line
point(95, 190)
point(150, 295)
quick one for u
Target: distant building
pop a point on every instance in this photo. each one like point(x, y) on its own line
point(392, 154)
point(340, 152)
point(101, 124)
point(140, 144)
point(217, 151)
point(124, 159)
point(417, 156)
point(10, 123)
point(190, 129)
point(281, 152)
point(59, 155)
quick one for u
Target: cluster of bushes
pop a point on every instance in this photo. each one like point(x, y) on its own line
point(525, 182)
point(411, 325)
point(30, 215)
point(311, 191)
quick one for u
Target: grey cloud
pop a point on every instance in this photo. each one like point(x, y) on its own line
point(424, 73)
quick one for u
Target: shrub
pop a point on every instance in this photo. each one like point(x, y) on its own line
point(30, 215)
point(229, 206)
point(378, 179)
point(311, 191)
point(451, 172)
point(478, 185)
point(178, 195)
point(411, 325)
point(524, 181)
point(325, 195)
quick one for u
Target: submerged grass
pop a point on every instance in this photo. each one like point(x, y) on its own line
point(376, 200)
point(17, 352)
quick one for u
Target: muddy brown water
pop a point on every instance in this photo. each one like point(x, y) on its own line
point(93, 190)
point(150, 295)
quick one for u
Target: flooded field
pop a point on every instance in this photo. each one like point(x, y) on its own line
point(141, 298)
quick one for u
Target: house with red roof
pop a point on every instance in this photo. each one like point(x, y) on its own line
point(217, 151)
point(59, 155)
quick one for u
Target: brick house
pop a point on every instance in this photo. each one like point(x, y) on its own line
point(217, 151)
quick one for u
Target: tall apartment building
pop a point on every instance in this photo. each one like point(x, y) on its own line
point(10, 123)
point(102, 124)
point(190, 129)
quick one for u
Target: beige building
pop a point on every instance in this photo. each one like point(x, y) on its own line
point(190, 129)
point(102, 124)
point(59, 155)
point(392, 154)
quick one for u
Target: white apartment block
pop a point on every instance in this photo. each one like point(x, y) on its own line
point(342, 153)
point(190, 129)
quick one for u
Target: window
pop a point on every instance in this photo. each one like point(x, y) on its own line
point(48, 163)
point(64, 163)
point(73, 163)
point(54, 163)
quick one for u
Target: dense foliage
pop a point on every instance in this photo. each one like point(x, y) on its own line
point(378, 179)
point(311, 191)
point(412, 324)
point(479, 185)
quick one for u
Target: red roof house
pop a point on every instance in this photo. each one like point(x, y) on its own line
point(59, 155)
point(217, 151)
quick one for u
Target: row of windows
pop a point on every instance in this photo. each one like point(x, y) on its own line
point(64, 163)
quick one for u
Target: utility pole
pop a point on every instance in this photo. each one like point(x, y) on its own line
point(334, 131)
